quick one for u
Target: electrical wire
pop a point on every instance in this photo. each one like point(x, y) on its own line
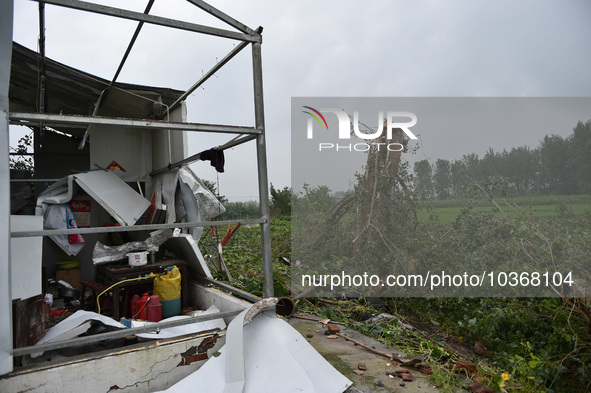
point(98, 303)
point(142, 307)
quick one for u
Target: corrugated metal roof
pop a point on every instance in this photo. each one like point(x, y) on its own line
point(71, 91)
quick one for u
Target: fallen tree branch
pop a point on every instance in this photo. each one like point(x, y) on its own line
point(387, 355)
point(315, 319)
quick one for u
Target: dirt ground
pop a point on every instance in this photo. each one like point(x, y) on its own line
point(345, 356)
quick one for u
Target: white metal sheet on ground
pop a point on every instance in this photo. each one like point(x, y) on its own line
point(25, 255)
point(276, 359)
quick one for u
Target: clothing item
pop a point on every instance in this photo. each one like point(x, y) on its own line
point(216, 157)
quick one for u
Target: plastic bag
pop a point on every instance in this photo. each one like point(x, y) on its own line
point(168, 286)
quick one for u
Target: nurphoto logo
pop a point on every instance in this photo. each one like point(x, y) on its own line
point(392, 122)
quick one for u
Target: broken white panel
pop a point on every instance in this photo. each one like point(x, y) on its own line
point(75, 325)
point(25, 255)
point(183, 330)
point(186, 248)
point(113, 194)
point(59, 192)
point(276, 358)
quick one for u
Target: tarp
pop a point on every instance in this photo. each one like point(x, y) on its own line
point(266, 355)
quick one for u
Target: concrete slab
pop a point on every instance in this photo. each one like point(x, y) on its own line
point(346, 356)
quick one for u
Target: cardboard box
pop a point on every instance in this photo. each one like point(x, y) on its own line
point(71, 276)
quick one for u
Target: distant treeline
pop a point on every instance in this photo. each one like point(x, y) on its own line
point(240, 210)
point(558, 166)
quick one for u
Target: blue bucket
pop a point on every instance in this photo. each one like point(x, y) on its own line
point(170, 308)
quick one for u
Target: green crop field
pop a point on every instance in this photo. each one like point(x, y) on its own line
point(540, 206)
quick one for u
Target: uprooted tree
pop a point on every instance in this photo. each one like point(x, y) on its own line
point(369, 223)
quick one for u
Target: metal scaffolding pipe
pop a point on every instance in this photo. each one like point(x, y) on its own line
point(132, 228)
point(196, 157)
point(5, 259)
point(132, 42)
point(18, 117)
point(262, 169)
point(42, 60)
point(222, 16)
point(209, 74)
point(156, 20)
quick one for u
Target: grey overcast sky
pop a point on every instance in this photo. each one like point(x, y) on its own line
point(350, 48)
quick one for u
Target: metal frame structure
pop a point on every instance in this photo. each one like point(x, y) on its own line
point(245, 35)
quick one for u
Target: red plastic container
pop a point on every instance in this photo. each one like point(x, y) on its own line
point(154, 313)
point(135, 306)
point(143, 307)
